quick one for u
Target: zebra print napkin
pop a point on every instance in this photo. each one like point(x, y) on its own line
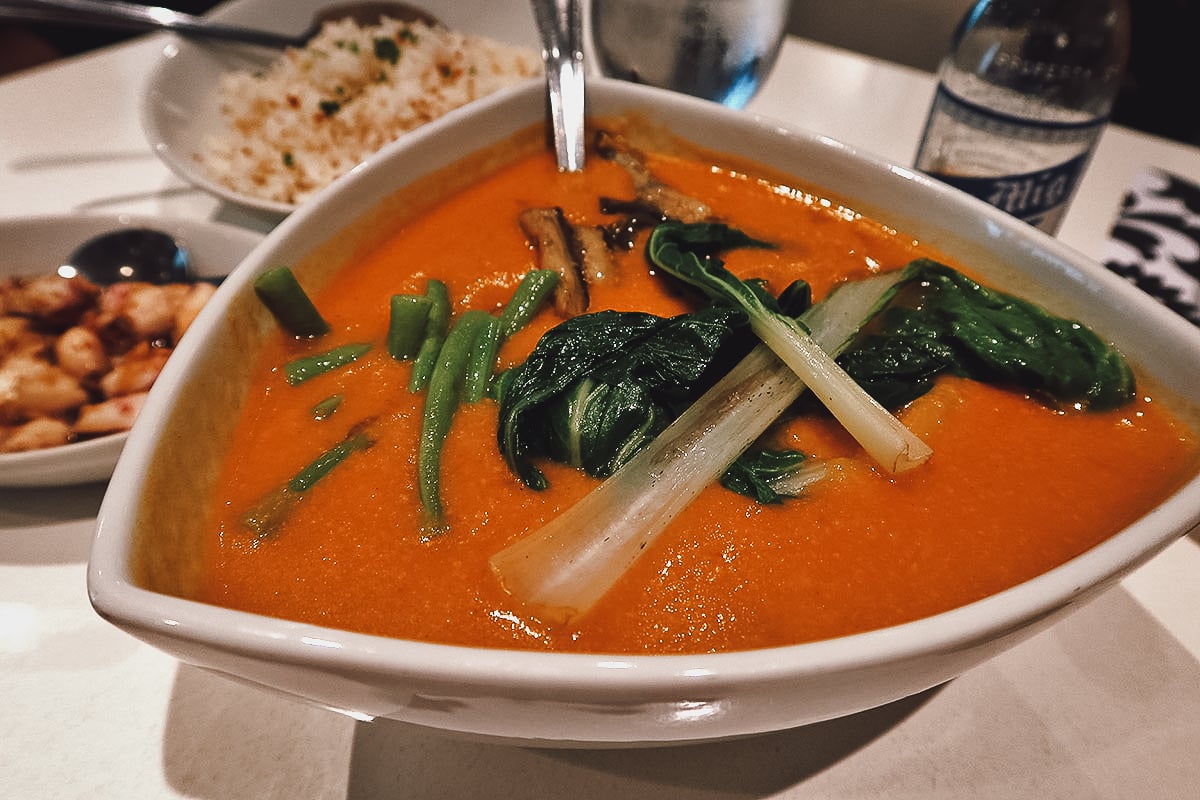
point(1155, 241)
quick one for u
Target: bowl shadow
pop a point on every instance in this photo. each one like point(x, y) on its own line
point(754, 766)
point(52, 525)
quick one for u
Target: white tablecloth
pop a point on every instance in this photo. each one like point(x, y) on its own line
point(1105, 705)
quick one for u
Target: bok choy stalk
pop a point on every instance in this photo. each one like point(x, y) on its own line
point(563, 568)
point(689, 252)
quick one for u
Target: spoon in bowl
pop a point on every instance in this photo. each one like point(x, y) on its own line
point(142, 17)
point(129, 254)
point(560, 27)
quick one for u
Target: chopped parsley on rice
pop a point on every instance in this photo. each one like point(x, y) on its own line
point(317, 111)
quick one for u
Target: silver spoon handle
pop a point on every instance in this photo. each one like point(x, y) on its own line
point(560, 25)
point(136, 17)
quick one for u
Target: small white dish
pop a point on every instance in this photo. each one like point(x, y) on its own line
point(180, 108)
point(36, 245)
point(144, 538)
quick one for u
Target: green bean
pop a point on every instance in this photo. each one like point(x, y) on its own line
point(325, 408)
point(285, 298)
point(441, 401)
point(321, 466)
point(482, 362)
point(435, 334)
point(406, 326)
point(308, 367)
point(269, 513)
point(535, 287)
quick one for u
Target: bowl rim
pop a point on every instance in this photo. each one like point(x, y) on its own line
point(153, 112)
point(115, 597)
point(159, 105)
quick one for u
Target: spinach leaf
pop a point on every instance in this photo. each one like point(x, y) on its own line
point(599, 386)
point(956, 326)
point(690, 251)
point(753, 472)
point(900, 363)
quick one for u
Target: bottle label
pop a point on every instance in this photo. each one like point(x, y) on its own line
point(983, 150)
point(1032, 197)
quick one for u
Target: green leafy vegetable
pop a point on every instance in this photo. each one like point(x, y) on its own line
point(599, 386)
point(757, 473)
point(689, 252)
point(959, 327)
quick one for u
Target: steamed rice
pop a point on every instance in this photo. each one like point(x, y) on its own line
point(316, 112)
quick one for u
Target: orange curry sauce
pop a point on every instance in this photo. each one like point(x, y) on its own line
point(1013, 488)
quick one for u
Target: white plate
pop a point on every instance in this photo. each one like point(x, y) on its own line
point(179, 107)
point(35, 246)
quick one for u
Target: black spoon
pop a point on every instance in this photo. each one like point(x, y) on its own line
point(129, 254)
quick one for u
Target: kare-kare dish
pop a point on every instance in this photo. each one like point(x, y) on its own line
point(420, 419)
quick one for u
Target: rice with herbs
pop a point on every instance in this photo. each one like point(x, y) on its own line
point(316, 112)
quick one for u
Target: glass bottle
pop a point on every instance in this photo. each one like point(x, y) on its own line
point(1022, 99)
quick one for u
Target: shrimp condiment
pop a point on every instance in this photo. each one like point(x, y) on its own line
point(76, 359)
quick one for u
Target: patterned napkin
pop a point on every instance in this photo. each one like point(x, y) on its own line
point(1155, 242)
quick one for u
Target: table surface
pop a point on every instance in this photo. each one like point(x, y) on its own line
point(1103, 705)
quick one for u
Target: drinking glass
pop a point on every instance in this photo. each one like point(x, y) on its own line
point(720, 50)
